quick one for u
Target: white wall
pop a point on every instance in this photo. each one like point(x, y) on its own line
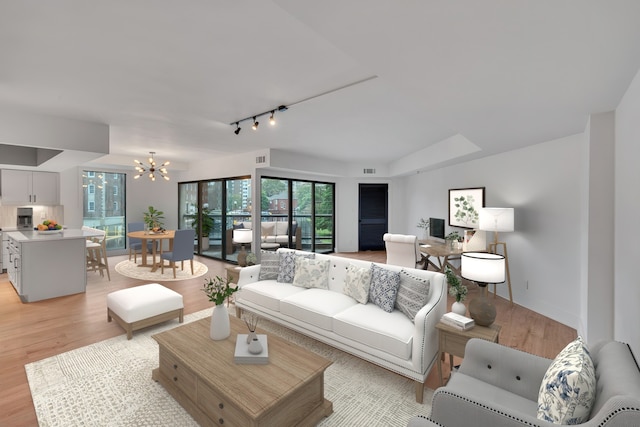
point(627, 207)
point(543, 184)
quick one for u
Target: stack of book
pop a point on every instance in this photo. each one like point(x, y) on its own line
point(457, 321)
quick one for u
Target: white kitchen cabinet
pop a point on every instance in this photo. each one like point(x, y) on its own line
point(18, 187)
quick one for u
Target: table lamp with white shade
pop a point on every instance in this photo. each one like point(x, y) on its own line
point(497, 220)
point(242, 236)
point(482, 268)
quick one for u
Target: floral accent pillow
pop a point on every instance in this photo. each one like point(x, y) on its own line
point(311, 273)
point(357, 282)
point(287, 265)
point(269, 265)
point(413, 294)
point(568, 389)
point(384, 287)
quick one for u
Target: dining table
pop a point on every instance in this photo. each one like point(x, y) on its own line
point(444, 253)
point(157, 237)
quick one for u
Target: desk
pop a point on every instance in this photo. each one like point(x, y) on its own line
point(144, 236)
point(441, 251)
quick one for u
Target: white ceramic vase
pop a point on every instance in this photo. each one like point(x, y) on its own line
point(220, 326)
point(459, 308)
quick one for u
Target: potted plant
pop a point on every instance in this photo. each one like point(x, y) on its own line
point(205, 228)
point(218, 290)
point(153, 218)
point(453, 238)
point(456, 290)
point(424, 225)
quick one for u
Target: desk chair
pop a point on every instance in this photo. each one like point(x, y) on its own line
point(402, 250)
point(182, 250)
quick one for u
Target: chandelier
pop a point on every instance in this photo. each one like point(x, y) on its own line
point(152, 169)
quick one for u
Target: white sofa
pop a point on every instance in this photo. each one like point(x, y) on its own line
point(388, 339)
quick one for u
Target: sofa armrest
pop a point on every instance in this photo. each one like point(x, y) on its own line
point(425, 335)
point(248, 275)
point(504, 367)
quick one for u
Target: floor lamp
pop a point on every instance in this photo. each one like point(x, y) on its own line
point(498, 219)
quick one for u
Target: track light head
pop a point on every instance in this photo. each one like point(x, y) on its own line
point(272, 121)
point(238, 129)
point(255, 124)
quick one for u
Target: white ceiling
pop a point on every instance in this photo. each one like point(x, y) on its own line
point(366, 80)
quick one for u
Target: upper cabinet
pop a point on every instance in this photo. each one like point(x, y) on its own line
point(19, 187)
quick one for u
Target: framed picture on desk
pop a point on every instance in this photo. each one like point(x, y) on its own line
point(464, 206)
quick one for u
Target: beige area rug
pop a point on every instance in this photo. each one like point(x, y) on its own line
point(109, 384)
point(131, 269)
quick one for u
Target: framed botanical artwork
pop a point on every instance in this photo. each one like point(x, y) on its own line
point(464, 206)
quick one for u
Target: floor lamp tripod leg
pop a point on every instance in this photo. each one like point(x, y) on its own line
point(493, 248)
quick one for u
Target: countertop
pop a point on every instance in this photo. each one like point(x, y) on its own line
point(67, 233)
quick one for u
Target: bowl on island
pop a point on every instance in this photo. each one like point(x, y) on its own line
point(49, 226)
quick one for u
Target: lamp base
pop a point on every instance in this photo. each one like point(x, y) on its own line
point(242, 257)
point(481, 309)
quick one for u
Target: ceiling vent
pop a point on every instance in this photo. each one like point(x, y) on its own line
point(261, 159)
point(369, 171)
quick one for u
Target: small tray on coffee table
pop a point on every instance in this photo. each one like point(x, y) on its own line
point(242, 355)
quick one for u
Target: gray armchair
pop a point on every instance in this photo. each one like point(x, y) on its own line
point(498, 386)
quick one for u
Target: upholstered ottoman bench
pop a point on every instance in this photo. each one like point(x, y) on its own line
point(141, 306)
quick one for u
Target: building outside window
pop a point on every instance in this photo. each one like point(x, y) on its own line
point(105, 205)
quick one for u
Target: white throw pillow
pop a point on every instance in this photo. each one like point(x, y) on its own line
point(413, 294)
point(311, 273)
point(384, 287)
point(287, 265)
point(267, 229)
point(568, 389)
point(357, 282)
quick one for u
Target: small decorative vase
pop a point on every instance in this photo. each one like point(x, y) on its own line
point(220, 326)
point(459, 308)
point(254, 343)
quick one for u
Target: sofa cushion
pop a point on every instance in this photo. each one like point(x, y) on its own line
point(367, 324)
point(316, 306)
point(384, 287)
point(413, 294)
point(267, 229)
point(268, 293)
point(311, 273)
point(269, 265)
point(568, 388)
point(287, 265)
point(357, 282)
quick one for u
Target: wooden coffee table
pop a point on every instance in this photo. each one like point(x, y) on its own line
point(201, 375)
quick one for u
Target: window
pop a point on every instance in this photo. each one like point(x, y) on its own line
point(305, 205)
point(104, 201)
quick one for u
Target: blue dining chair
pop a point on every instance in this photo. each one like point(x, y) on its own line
point(135, 244)
point(182, 250)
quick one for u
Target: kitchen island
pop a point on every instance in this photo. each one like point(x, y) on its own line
point(47, 265)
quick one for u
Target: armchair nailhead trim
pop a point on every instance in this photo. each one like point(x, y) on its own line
point(616, 412)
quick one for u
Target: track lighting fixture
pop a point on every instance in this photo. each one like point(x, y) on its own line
point(142, 169)
point(255, 123)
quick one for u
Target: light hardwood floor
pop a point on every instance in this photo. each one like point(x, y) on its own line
point(30, 332)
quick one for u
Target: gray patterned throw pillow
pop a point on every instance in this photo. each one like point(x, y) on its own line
point(413, 294)
point(269, 265)
point(384, 287)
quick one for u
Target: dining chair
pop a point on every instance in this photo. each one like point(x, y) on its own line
point(135, 244)
point(182, 250)
point(402, 250)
